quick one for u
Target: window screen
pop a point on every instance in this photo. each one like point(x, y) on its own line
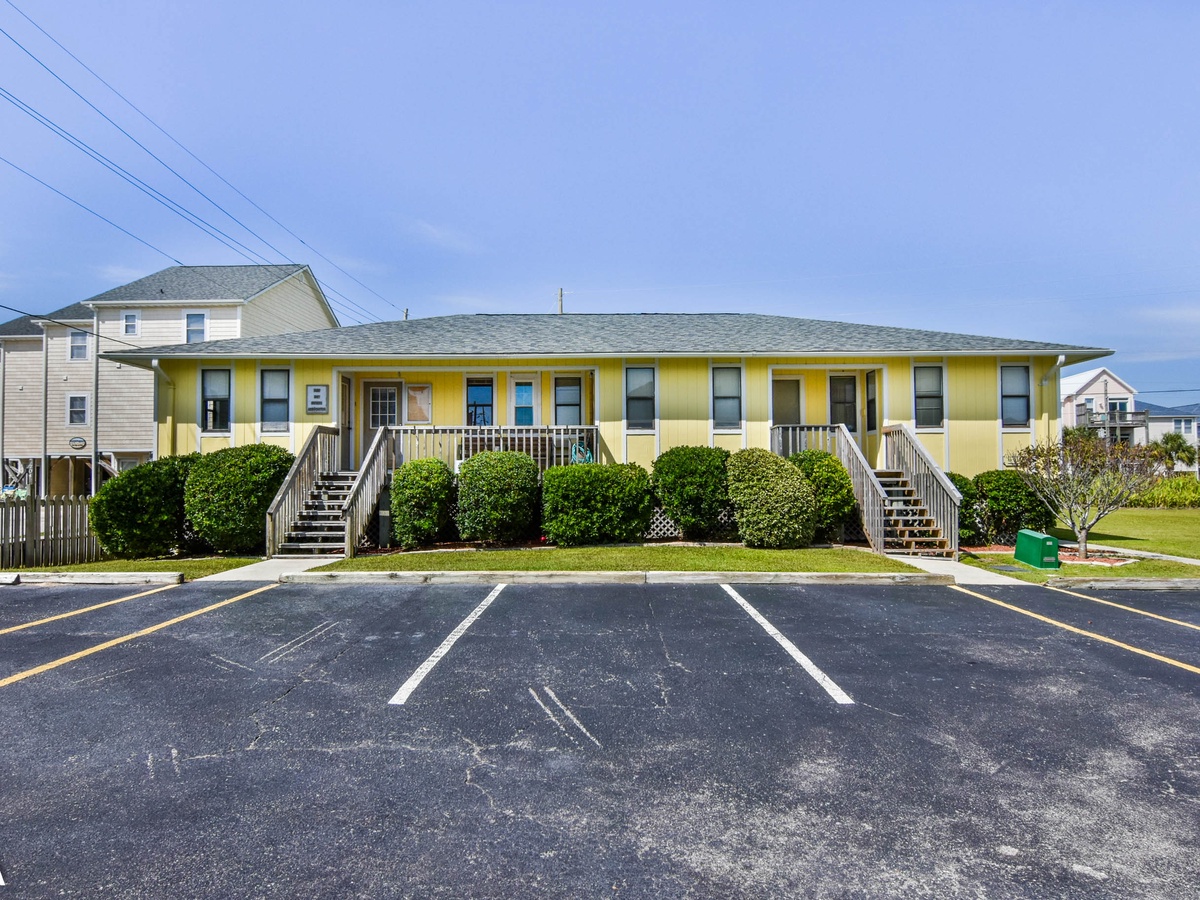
point(214, 397)
point(928, 399)
point(275, 396)
point(1014, 395)
point(727, 397)
point(639, 398)
point(568, 401)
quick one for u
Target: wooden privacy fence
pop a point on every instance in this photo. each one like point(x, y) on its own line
point(46, 531)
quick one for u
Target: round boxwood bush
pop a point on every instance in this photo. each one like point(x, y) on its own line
point(832, 488)
point(421, 497)
point(772, 502)
point(690, 483)
point(497, 496)
point(228, 492)
point(1006, 505)
point(140, 512)
point(593, 503)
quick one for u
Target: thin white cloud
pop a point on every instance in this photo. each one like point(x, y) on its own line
point(1178, 314)
point(120, 274)
point(443, 237)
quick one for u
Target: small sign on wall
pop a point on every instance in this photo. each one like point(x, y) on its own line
point(318, 399)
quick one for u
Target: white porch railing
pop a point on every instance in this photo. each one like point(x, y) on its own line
point(548, 445)
point(836, 439)
point(319, 454)
point(364, 493)
point(903, 452)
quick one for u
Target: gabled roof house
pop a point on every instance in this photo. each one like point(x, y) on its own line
point(614, 387)
point(63, 410)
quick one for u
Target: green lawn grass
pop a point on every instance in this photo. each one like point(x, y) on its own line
point(1143, 568)
point(624, 559)
point(192, 568)
point(1175, 532)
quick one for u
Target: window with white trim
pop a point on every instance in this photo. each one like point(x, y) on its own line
point(1183, 426)
point(480, 402)
point(130, 323)
point(79, 345)
point(928, 396)
point(77, 409)
point(568, 401)
point(1014, 396)
point(384, 407)
point(275, 400)
point(639, 398)
point(214, 400)
point(195, 327)
point(523, 409)
point(872, 404)
point(727, 397)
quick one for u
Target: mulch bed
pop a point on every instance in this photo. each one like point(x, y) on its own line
point(1064, 556)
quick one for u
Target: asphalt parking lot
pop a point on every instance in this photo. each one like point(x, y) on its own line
point(235, 740)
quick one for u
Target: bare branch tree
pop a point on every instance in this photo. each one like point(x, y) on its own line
point(1083, 479)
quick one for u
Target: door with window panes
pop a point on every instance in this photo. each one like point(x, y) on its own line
point(381, 409)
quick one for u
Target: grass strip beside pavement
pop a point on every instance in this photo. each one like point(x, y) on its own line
point(623, 559)
point(1175, 532)
point(191, 567)
point(1143, 568)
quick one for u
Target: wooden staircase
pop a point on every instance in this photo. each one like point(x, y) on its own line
point(320, 529)
point(908, 526)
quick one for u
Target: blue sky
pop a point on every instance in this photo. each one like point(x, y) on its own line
point(1017, 169)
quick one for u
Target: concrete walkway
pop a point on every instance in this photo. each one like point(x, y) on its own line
point(960, 572)
point(271, 569)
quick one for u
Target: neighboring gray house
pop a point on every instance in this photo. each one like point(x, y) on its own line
point(1179, 419)
point(62, 407)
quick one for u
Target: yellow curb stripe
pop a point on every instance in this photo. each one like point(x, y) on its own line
point(80, 612)
point(1072, 628)
point(20, 676)
point(1140, 612)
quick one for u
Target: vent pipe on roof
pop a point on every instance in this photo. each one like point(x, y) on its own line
point(560, 301)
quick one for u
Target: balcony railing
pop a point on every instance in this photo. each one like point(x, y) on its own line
point(548, 445)
point(1113, 418)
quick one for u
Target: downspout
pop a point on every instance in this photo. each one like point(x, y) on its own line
point(44, 479)
point(170, 415)
point(96, 408)
point(3, 388)
point(1051, 373)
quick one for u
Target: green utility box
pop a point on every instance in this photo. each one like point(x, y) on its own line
point(1037, 549)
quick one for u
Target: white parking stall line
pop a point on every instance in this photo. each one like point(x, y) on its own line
point(820, 677)
point(424, 669)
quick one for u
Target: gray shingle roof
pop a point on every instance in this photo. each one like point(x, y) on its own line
point(187, 283)
point(631, 334)
point(24, 326)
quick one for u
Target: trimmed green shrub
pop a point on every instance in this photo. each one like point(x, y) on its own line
point(228, 492)
point(497, 496)
point(690, 483)
point(772, 502)
point(1178, 492)
point(832, 488)
point(1006, 505)
point(421, 498)
point(591, 503)
point(140, 511)
point(970, 532)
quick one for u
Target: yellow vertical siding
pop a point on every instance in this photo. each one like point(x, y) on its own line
point(972, 413)
point(683, 398)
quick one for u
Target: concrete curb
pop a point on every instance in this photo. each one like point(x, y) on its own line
point(871, 578)
point(99, 577)
point(10, 578)
point(1127, 584)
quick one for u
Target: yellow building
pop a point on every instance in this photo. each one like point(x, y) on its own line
point(617, 388)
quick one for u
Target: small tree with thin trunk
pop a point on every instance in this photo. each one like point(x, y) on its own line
point(1082, 480)
point(1174, 449)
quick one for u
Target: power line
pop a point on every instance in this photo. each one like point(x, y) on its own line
point(181, 146)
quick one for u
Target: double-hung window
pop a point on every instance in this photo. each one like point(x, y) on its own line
point(1014, 396)
point(480, 403)
point(523, 402)
point(130, 322)
point(929, 398)
point(639, 398)
point(568, 401)
point(195, 327)
point(77, 409)
point(727, 397)
point(79, 345)
point(1183, 426)
point(872, 404)
point(275, 399)
point(214, 400)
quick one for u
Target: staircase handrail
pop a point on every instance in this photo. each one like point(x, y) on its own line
point(316, 455)
point(904, 452)
point(364, 492)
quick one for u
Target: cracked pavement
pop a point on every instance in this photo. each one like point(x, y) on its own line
point(640, 741)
